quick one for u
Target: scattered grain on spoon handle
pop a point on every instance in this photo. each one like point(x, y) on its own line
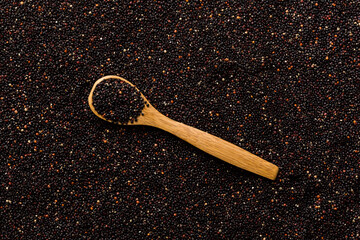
point(217, 147)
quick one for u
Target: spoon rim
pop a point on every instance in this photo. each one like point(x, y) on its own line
point(91, 101)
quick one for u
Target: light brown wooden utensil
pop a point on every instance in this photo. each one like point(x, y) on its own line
point(208, 143)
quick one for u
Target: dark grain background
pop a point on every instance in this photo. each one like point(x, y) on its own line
point(277, 78)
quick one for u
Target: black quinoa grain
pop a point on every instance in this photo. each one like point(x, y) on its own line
point(118, 101)
point(277, 78)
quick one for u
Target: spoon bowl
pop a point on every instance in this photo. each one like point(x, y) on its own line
point(210, 144)
point(147, 112)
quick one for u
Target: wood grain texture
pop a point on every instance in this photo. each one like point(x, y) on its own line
point(217, 147)
point(210, 144)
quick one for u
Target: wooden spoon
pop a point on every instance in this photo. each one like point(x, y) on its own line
point(208, 143)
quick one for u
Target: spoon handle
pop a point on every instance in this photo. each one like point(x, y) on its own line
point(218, 147)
